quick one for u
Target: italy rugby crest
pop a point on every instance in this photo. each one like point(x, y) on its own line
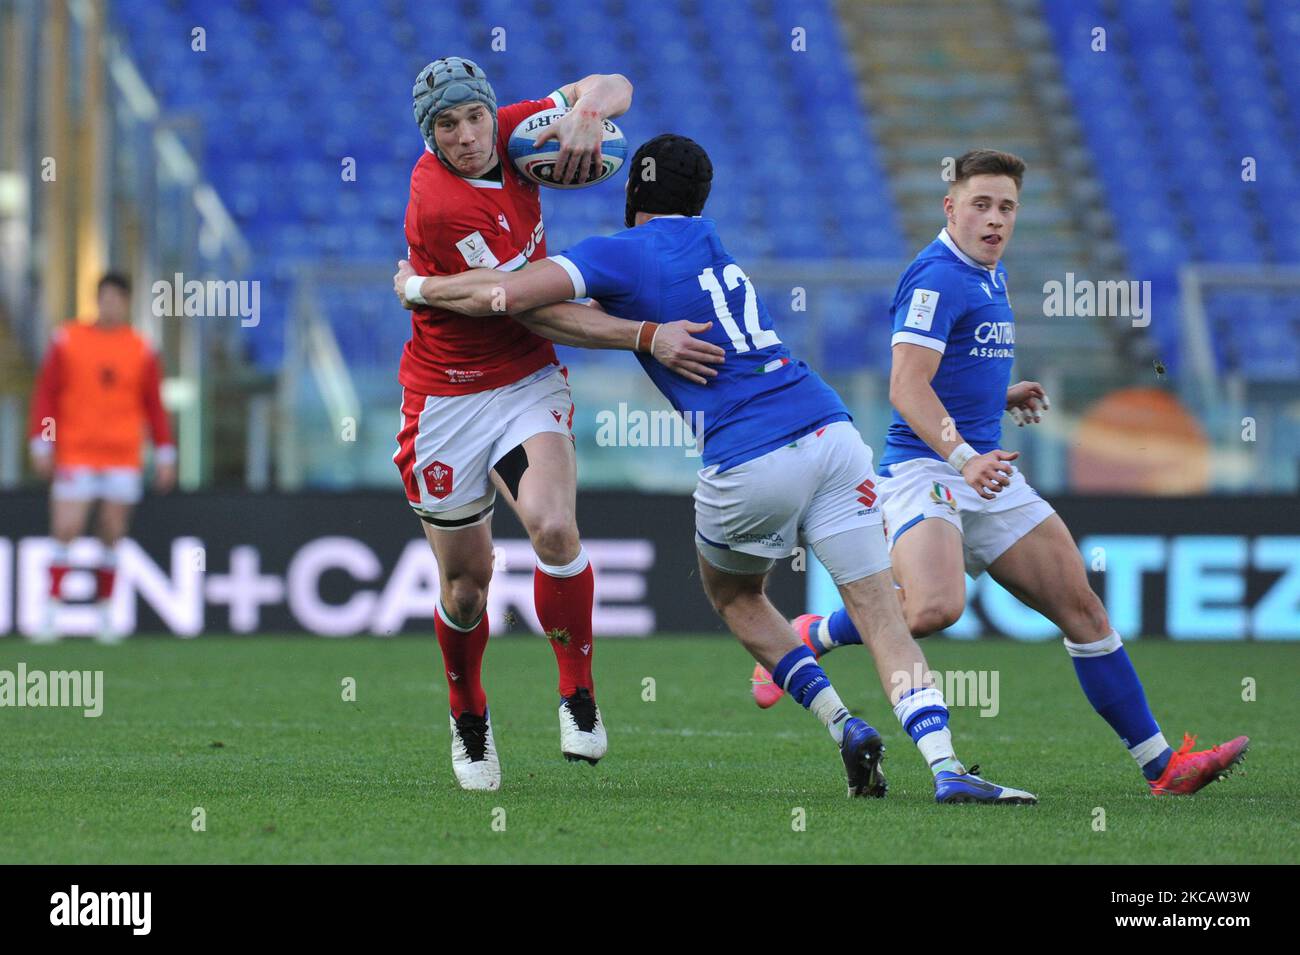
point(940, 494)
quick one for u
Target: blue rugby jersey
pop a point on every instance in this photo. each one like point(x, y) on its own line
point(949, 302)
point(675, 267)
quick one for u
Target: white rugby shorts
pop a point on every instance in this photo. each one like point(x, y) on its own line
point(448, 444)
point(119, 485)
point(927, 487)
point(812, 490)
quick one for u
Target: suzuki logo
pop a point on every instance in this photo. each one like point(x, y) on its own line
point(867, 492)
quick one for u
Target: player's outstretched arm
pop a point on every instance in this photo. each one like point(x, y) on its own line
point(485, 291)
point(672, 344)
point(912, 395)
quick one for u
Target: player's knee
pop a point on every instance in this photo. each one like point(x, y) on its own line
point(464, 598)
point(555, 541)
point(930, 615)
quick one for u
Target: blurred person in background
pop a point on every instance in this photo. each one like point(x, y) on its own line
point(97, 391)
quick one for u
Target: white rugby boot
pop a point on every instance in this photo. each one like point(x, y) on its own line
point(473, 753)
point(582, 734)
point(48, 631)
point(106, 632)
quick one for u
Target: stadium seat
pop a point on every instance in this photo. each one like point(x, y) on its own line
point(1169, 147)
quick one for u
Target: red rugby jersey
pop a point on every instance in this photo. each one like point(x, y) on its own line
point(453, 224)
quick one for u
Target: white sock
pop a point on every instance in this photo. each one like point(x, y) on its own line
point(1148, 749)
point(822, 634)
point(572, 569)
point(828, 708)
point(936, 747)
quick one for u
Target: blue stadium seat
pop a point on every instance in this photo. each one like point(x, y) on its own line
point(1169, 148)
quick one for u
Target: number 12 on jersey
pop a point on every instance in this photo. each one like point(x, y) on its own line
point(733, 275)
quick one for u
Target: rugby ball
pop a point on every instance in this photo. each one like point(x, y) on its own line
point(537, 163)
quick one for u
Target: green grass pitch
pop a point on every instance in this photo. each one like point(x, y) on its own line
point(256, 732)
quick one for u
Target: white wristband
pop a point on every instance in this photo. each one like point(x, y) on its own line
point(960, 455)
point(652, 339)
point(412, 292)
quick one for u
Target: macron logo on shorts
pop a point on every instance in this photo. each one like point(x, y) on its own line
point(920, 314)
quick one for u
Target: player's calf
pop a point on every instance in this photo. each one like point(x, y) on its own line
point(819, 634)
point(564, 595)
point(739, 599)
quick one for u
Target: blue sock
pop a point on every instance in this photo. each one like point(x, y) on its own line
point(841, 630)
point(807, 683)
point(837, 630)
point(1112, 687)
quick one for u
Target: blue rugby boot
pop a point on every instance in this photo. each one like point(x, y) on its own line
point(863, 750)
point(967, 787)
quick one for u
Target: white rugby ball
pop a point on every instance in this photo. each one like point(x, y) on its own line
point(537, 163)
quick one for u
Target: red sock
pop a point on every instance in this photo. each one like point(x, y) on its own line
point(462, 657)
point(104, 579)
point(57, 573)
point(564, 608)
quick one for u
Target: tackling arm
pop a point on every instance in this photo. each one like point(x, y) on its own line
point(568, 323)
point(673, 345)
point(485, 291)
point(538, 295)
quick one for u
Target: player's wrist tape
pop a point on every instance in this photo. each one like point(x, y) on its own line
point(645, 337)
point(412, 292)
point(960, 455)
point(40, 447)
point(164, 454)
